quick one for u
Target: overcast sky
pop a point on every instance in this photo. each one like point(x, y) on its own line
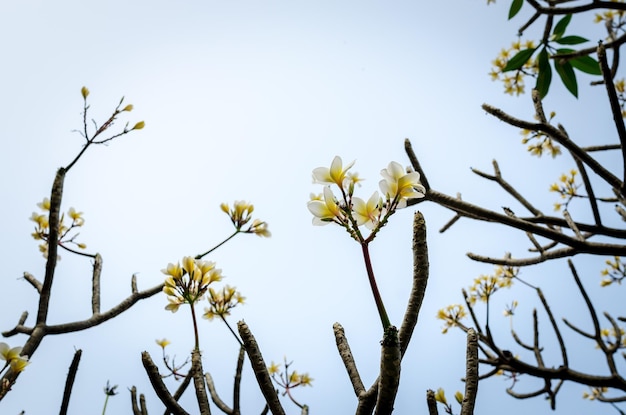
point(242, 100)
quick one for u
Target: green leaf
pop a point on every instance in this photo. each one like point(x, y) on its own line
point(516, 6)
point(566, 72)
point(586, 64)
point(571, 40)
point(560, 27)
point(519, 59)
point(544, 77)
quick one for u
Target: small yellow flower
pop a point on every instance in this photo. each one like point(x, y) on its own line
point(273, 369)
point(440, 396)
point(128, 108)
point(77, 217)
point(325, 211)
point(44, 204)
point(459, 397)
point(163, 342)
point(367, 213)
point(399, 185)
point(84, 92)
point(259, 228)
point(174, 270)
point(13, 357)
point(336, 174)
point(19, 364)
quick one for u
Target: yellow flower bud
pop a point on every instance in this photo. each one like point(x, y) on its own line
point(459, 397)
point(440, 396)
point(139, 125)
point(85, 92)
point(128, 108)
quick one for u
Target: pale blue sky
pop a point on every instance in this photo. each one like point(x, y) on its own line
point(241, 101)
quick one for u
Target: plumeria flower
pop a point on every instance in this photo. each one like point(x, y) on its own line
point(163, 342)
point(12, 357)
point(221, 302)
point(367, 213)
point(240, 212)
point(336, 174)
point(398, 186)
point(188, 284)
point(326, 211)
point(259, 228)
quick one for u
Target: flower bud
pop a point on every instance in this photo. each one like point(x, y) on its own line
point(139, 125)
point(128, 108)
point(85, 92)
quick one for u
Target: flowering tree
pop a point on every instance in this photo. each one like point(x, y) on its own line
point(193, 281)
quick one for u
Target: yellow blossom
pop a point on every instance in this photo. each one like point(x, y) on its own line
point(440, 396)
point(274, 368)
point(325, 211)
point(336, 174)
point(400, 186)
point(44, 204)
point(367, 213)
point(84, 92)
point(259, 228)
point(163, 342)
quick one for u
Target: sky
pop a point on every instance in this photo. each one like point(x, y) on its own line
point(242, 100)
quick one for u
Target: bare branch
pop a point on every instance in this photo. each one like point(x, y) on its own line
point(389, 378)
point(95, 284)
point(420, 280)
point(348, 360)
point(159, 387)
point(198, 382)
point(471, 374)
point(260, 369)
point(431, 402)
point(33, 281)
point(69, 382)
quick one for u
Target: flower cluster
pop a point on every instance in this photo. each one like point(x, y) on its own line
point(288, 379)
point(486, 285)
point(541, 143)
point(42, 227)
point(396, 188)
point(189, 283)
point(452, 316)
point(613, 19)
point(240, 214)
point(595, 393)
point(514, 80)
point(567, 188)
point(12, 358)
point(221, 302)
point(615, 272)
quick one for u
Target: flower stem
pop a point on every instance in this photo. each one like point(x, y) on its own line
point(106, 400)
point(231, 330)
point(199, 256)
point(195, 327)
point(377, 298)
